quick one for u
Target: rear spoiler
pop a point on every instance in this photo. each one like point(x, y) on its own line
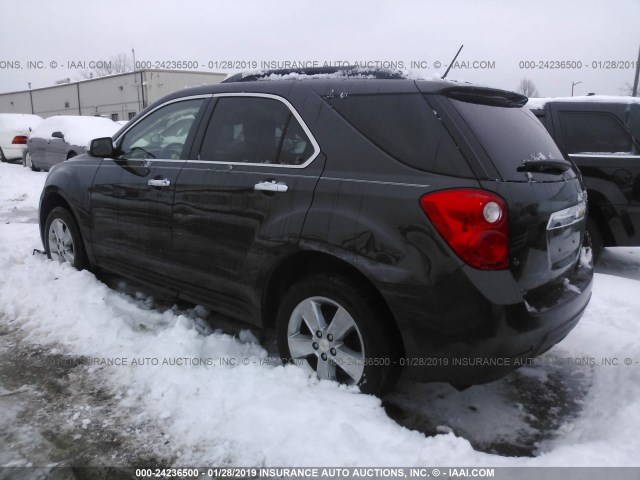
point(486, 96)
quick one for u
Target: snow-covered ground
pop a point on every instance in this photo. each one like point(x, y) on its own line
point(181, 390)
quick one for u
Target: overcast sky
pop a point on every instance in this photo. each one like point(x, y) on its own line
point(503, 32)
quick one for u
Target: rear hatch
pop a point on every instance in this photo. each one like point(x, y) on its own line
point(515, 157)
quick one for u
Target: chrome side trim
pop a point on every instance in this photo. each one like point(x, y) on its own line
point(314, 143)
point(305, 128)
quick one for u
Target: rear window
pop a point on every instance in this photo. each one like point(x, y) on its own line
point(406, 127)
point(509, 136)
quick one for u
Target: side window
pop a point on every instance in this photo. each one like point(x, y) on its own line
point(407, 128)
point(296, 147)
point(255, 130)
point(594, 132)
point(163, 133)
point(633, 120)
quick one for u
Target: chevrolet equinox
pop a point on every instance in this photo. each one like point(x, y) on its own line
point(378, 223)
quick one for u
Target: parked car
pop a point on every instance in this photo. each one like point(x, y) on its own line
point(601, 134)
point(62, 137)
point(379, 223)
point(14, 131)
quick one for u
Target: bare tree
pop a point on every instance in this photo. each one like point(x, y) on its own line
point(528, 88)
point(119, 63)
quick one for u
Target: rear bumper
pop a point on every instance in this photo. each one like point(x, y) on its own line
point(13, 152)
point(472, 339)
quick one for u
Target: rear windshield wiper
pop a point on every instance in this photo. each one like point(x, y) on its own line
point(545, 166)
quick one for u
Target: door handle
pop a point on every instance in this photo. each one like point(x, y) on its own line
point(271, 186)
point(154, 182)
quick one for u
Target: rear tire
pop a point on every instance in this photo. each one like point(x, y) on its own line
point(334, 327)
point(62, 238)
point(595, 235)
point(2, 157)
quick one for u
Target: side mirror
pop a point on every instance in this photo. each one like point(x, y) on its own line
point(101, 147)
point(57, 135)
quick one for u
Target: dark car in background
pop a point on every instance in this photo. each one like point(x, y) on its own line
point(59, 138)
point(377, 222)
point(601, 134)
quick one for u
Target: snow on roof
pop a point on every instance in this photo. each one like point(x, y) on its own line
point(77, 130)
point(539, 103)
point(18, 122)
point(338, 73)
point(315, 73)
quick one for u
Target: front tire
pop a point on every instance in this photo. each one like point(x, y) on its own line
point(334, 327)
point(63, 242)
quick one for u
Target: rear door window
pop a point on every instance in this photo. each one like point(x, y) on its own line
point(594, 132)
point(406, 127)
point(255, 130)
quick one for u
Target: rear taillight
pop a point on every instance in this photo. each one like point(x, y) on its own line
point(19, 140)
point(473, 223)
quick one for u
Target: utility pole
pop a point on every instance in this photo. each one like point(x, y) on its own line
point(573, 84)
point(135, 81)
point(635, 82)
point(31, 98)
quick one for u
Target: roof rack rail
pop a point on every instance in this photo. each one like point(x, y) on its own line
point(346, 71)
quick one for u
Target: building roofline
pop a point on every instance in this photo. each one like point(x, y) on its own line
point(85, 80)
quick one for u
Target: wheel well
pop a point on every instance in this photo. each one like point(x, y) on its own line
point(599, 211)
point(71, 154)
point(304, 264)
point(51, 201)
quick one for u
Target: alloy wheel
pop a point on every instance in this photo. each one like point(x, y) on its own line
point(61, 247)
point(324, 336)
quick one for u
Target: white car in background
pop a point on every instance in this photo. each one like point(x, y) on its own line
point(14, 132)
point(62, 137)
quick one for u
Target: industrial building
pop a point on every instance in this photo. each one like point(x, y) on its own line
point(118, 96)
